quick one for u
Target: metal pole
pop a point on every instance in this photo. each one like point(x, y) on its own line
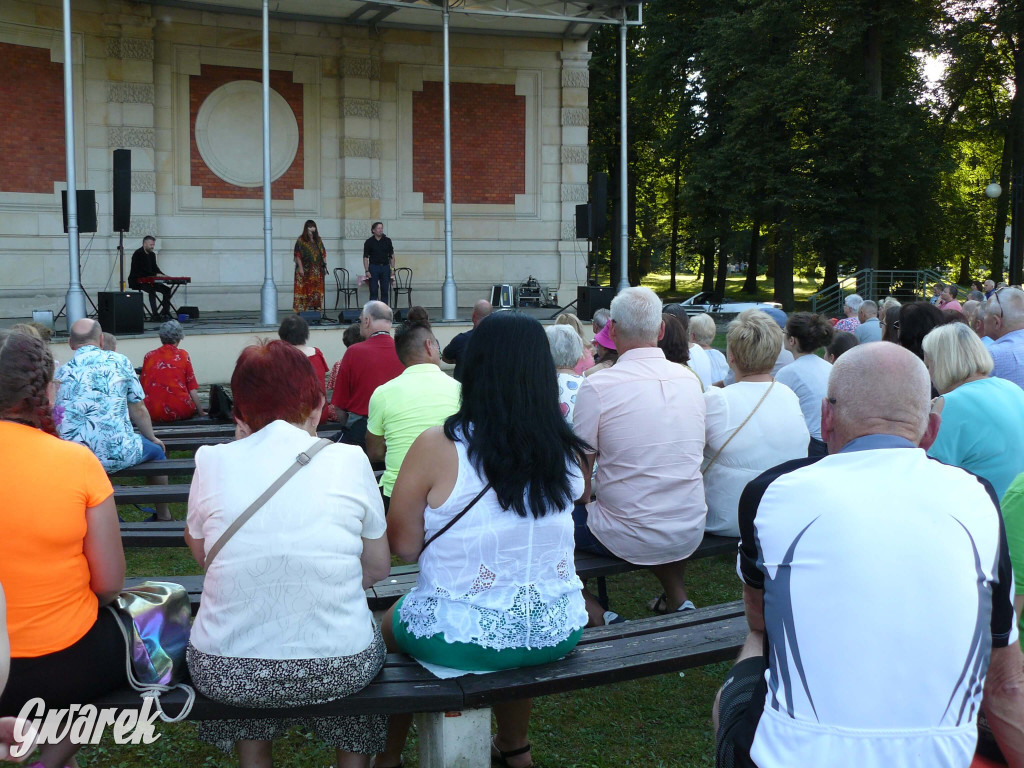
point(623, 160)
point(449, 292)
point(268, 295)
point(74, 300)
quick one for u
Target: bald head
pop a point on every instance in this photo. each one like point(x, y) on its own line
point(877, 389)
point(84, 332)
point(481, 310)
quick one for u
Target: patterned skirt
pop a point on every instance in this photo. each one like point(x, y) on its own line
point(276, 683)
point(309, 290)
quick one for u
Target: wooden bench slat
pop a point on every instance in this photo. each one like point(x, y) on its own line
point(649, 647)
point(154, 468)
point(591, 664)
point(150, 494)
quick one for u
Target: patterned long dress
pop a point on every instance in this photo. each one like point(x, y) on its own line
point(309, 287)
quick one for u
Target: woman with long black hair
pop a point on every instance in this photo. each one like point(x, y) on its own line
point(498, 588)
point(310, 267)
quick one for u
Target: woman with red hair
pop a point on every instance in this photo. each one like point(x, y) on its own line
point(284, 620)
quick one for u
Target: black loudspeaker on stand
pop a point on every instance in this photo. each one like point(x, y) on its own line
point(590, 298)
point(86, 199)
point(121, 312)
point(122, 194)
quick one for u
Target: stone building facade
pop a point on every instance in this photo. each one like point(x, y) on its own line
point(356, 137)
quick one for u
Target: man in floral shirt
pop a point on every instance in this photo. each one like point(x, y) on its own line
point(102, 398)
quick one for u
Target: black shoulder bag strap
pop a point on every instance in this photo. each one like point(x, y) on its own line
point(458, 517)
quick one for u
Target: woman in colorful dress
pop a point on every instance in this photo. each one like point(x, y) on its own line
point(172, 392)
point(310, 268)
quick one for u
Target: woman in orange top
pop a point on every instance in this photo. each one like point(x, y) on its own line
point(168, 379)
point(62, 550)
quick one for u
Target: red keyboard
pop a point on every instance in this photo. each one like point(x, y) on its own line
point(168, 280)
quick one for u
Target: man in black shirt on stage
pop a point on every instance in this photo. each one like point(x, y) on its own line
point(144, 265)
point(379, 263)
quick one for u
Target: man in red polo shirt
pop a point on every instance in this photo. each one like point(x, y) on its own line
point(365, 367)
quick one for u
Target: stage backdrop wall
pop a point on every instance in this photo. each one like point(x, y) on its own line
point(356, 137)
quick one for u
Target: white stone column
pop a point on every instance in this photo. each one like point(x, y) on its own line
point(359, 148)
point(575, 124)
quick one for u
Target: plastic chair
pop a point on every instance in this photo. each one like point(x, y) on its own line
point(403, 284)
point(342, 281)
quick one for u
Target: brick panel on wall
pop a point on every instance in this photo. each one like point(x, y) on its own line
point(32, 115)
point(488, 143)
point(201, 86)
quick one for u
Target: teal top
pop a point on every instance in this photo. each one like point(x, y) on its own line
point(981, 431)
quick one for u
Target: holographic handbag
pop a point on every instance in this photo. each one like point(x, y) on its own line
point(155, 620)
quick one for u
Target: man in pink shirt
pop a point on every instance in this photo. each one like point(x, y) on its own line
point(644, 418)
point(947, 299)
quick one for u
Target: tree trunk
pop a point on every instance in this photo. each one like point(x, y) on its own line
point(707, 251)
point(723, 255)
point(754, 253)
point(784, 267)
point(674, 255)
point(1002, 209)
point(872, 48)
point(831, 259)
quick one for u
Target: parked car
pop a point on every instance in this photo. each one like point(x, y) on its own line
point(713, 304)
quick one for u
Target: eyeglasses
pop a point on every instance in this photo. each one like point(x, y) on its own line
point(998, 300)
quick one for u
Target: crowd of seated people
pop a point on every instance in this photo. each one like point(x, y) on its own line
point(634, 457)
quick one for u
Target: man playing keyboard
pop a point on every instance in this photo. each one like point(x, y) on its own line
point(144, 265)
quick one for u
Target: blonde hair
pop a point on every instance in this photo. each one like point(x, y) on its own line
point(703, 329)
point(954, 353)
point(571, 320)
point(754, 339)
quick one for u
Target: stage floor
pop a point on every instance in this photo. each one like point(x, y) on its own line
point(249, 321)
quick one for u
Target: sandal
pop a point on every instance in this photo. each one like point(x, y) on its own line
point(501, 758)
point(658, 604)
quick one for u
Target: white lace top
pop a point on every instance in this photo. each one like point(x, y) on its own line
point(496, 579)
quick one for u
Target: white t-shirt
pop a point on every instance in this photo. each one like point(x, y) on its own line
point(774, 434)
point(880, 615)
point(808, 377)
point(719, 365)
point(700, 364)
point(289, 583)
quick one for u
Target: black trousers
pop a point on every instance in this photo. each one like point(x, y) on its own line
point(153, 290)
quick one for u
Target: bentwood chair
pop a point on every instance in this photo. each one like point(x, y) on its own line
point(345, 288)
point(403, 284)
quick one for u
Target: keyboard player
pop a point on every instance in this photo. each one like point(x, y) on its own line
point(144, 265)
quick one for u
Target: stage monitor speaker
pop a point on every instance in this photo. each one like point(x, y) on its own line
point(583, 215)
point(121, 312)
point(349, 316)
point(598, 205)
point(590, 298)
point(122, 190)
point(191, 311)
point(312, 317)
point(86, 209)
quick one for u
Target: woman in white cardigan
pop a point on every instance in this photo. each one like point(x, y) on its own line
point(751, 425)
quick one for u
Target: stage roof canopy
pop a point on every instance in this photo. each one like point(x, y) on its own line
point(546, 18)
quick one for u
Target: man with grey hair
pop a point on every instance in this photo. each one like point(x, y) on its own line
point(868, 328)
point(851, 306)
point(644, 419)
point(1004, 322)
point(364, 367)
point(102, 398)
point(974, 316)
point(600, 319)
point(814, 677)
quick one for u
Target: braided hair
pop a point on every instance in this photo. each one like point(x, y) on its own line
point(26, 369)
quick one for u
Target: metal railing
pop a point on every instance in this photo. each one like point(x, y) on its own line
point(876, 284)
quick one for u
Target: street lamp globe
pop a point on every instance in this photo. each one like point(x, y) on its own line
point(993, 190)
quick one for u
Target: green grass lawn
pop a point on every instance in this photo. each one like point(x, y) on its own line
point(687, 284)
